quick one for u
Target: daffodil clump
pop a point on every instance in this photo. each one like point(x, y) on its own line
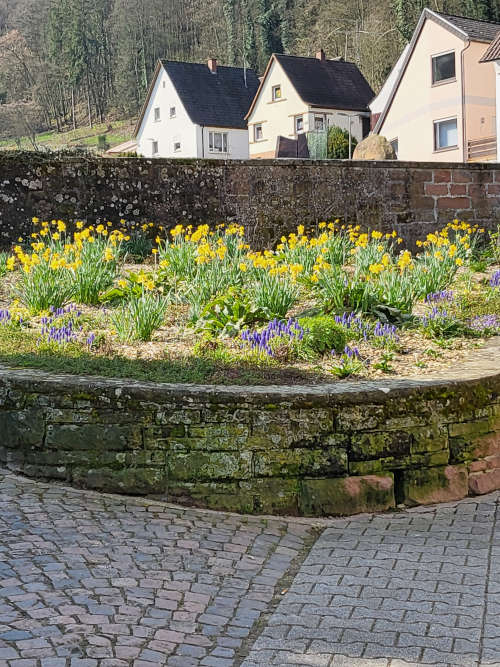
point(58, 266)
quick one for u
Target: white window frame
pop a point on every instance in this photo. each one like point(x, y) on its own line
point(155, 144)
point(319, 118)
point(177, 146)
point(296, 120)
point(436, 125)
point(157, 114)
point(257, 128)
point(173, 112)
point(277, 93)
point(224, 142)
point(450, 79)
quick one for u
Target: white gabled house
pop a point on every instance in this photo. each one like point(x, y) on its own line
point(196, 111)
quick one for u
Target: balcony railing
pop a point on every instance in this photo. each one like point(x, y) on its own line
point(482, 150)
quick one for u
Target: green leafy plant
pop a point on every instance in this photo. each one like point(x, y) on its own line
point(384, 364)
point(43, 287)
point(97, 269)
point(274, 294)
point(228, 314)
point(322, 334)
point(3, 263)
point(140, 317)
point(138, 246)
point(348, 363)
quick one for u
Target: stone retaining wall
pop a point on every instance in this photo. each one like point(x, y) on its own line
point(325, 450)
point(270, 197)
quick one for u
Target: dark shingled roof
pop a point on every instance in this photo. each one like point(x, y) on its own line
point(493, 51)
point(333, 84)
point(219, 100)
point(480, 31)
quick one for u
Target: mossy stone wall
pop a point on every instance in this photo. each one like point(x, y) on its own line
point(270, 197)
point(313, 451)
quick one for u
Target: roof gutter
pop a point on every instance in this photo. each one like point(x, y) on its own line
point(464, 122)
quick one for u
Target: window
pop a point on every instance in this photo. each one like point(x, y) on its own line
point(177, 146)
point(445, 134)
point(157, 114)
point(395, 146)
point(154, 148)
point(217, 142)
point(319, 123)
point(258, 134)
point(172, 112)
point(443, 67)
point(276, 93)
point(164, 84)
point(299, 124)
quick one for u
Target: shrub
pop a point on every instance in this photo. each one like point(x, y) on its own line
point(322, 334)
point(338, 143)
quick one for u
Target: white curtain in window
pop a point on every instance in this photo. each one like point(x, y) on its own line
point(447, 133)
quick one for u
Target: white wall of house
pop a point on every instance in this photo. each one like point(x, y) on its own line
point(418, 104)
point(176, 135)
point(278, 117)
point(237, 143)
point(168, 131)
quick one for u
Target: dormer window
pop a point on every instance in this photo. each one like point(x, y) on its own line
point(276, 93)
point(443, 68)
point(157, 114)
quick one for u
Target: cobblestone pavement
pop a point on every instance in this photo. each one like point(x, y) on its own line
point(414, 588)
point(88, 579)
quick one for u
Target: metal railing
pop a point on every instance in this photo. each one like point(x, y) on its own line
point(482, 150)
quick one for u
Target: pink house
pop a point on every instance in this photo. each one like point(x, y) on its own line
point(441, 103)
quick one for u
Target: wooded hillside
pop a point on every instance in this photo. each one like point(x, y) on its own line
point(65, 61)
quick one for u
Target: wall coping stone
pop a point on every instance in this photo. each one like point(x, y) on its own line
point(482, 366)
point(289, 162)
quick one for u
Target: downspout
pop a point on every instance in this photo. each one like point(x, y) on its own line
point(464, 129)
point(202, 142)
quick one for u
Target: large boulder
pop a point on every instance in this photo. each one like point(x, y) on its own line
point(374, 147)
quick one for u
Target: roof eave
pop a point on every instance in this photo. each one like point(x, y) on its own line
point(261, 85)
point(159, 66)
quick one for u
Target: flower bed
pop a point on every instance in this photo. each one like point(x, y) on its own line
point(200, 305)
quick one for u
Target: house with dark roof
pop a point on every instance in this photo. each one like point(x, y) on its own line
point(300, 95)
point(439, 103)
point(195, 110)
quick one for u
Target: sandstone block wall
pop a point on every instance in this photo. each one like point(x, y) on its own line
point(313, 451)
point(270, 197)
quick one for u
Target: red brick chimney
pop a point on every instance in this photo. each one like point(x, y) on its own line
point(212, 65)
point(321, 55)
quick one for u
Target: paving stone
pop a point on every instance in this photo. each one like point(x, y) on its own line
point(97, 582)
point(88, 580)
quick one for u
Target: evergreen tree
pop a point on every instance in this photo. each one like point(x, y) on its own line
point(407, 13)
point(250, 44)
point(228, 7)
point(269, 23)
